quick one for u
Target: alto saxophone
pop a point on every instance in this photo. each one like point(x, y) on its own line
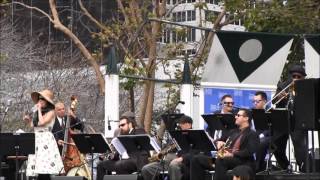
point(161, 154)
point(224, 148)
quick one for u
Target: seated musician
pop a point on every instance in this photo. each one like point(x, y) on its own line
point(171, 161)
point(259, 102)
point(236, 149)
point(124, 166)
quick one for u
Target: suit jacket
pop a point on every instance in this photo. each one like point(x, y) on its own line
point(58, 131)
point(248, 144)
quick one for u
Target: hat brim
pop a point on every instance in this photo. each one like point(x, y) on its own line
point(35, 97)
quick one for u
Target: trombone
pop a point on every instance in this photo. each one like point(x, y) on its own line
point(291, 92)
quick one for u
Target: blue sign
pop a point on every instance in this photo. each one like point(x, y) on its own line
point(242, 98)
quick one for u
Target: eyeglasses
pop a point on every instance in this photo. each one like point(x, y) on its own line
point(238, 115)
point(232, 103)
point(256, 101)
point(121, 125)
point(296, 76)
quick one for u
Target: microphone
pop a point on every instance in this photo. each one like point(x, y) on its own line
point(109, 125)
point(34, 109)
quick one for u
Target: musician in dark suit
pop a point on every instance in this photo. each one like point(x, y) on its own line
point(259, 102)
point(296, 72)
point(236, 149)
point(60, 123)
point(227, 108)
point(124, 166)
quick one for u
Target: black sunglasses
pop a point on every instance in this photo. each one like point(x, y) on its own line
point(232, 103)
point(121, 125)
point(256, 101)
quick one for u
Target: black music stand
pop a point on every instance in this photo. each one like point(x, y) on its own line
point(220, 121)
point(193, 140)
point(136, 143)
point(262, 121)
point(91, 143)
point(171, 120)
point(16, 144)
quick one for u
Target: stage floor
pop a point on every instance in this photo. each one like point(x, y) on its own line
point(286, 176)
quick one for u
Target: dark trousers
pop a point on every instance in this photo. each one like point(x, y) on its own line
point(261, 153)
point(300, 149)
point(43, 177)
point(198, 165)
point(120, 167)
point(223, 165)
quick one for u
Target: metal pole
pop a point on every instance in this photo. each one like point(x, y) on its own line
point(180, 24)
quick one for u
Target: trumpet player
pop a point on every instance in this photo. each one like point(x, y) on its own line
point(239, 150)
point(296, 72)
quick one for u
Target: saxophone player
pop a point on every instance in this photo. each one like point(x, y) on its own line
point(240, 149)
point(171, 161)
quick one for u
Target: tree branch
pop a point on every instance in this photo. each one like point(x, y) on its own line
point(86, 12)
point(35, 8)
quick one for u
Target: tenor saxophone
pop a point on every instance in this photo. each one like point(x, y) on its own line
point(162, 153)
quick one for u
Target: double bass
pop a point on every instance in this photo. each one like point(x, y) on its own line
point(73, 160)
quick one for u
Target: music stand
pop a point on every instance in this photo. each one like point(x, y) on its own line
point(220, 121)
point(171, 120)
point(16, 144)
point(262, 121)
point(136, 143)
point(91, 143)
point(193, 140)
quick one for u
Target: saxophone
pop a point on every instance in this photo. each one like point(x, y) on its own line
point(162, 153)
point(224, 148)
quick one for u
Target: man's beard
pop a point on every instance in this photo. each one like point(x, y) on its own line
point(123, 132)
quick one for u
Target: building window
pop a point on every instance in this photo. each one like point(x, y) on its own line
point(210, 1)
point(191, 1)
point(191, 51)
point(179, 14)
point(191, 35)
point(166, 36)
point(191, 15)
point(183, 16)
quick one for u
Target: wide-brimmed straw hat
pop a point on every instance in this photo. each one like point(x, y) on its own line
point(46, 94)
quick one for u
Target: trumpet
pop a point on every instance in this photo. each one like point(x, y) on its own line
point(224, 148)
point(162, 153)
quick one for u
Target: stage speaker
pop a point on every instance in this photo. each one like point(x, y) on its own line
point(306, 104)
point(121, 177)
point(68, 178)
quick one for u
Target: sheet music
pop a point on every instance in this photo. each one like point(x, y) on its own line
point(120, 148)
point(154, 144)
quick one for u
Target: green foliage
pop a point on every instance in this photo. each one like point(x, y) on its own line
point(280, 16)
